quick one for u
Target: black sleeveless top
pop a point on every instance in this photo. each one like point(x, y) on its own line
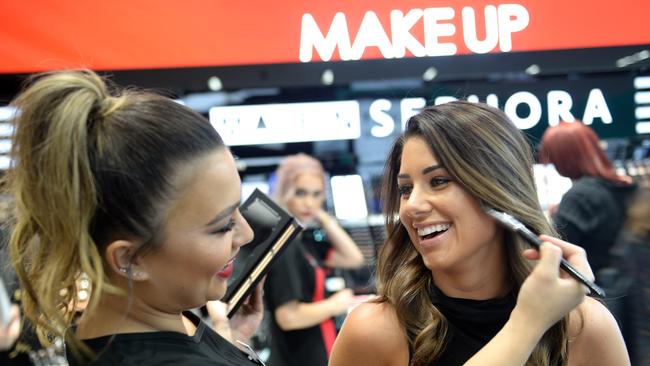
point(471, 323)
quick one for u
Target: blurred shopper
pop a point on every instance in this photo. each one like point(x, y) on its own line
point(302, 326)
point(10, 331)
point(592, 212)
point(633, 269)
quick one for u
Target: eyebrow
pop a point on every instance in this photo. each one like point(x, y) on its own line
point(426, 170)
point(223, 214)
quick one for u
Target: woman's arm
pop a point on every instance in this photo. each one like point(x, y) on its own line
point(10, 332)
point(346, 252)
point(596, 338)
point(299, 315)
point(371, 336)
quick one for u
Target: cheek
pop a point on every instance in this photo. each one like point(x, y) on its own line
point(293, 203)
point(213, 253)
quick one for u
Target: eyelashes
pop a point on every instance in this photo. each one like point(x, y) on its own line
point(435, 183)
point(229, 226)
point(404, 189)
point(439, 181)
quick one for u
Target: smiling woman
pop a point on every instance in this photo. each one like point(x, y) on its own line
point(120, 186)
point(444, 222)
point(454, 287)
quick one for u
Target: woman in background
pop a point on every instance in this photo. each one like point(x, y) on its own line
point(633, 247)
point(120, 186)
point(302, 326)
point(454, 288)
point(592, 212)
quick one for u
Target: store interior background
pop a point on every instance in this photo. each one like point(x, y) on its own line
point(386, 90)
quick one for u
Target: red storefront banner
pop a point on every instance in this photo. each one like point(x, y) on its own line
point(38, 35)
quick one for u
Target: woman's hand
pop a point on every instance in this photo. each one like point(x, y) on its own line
point(549, 293)
point(244, 323)
point(544, 298)
point(9, 333)
point(323, 217)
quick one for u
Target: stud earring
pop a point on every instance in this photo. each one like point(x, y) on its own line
point(122, 269)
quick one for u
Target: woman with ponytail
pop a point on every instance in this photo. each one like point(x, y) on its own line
point(138, 194)
point(455, 288)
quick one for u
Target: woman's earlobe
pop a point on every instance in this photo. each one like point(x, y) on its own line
point(119, 257)
point(136, 275)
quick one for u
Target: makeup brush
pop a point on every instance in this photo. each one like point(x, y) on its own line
point(516, 226)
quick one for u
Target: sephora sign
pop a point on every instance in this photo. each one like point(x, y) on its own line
point(614, 106)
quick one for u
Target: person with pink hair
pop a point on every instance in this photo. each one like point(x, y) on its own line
point(591, 214)
point(302, 326)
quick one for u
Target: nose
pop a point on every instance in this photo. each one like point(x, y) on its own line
point(310, 202)
point(417, 204)
point(244, 233)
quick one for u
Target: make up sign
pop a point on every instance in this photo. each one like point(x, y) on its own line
point(146, 34)
point(397, 40)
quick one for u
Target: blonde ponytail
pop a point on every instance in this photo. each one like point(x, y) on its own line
point(55, 198)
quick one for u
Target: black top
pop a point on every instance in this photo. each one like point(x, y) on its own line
point(205, 347)
point(631, 302)
point(295, 277)
point(472, 324)
point(591, 215)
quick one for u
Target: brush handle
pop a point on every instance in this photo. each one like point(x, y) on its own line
point(536, 242)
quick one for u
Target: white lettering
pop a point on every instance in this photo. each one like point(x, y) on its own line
point(596, 108)
point(409, 107)
point(512, 18)
point(473, 98)
point(559, 107)
point(378, 113)
point(312, 38)
point(444, 99)
point(291, 122)
point(470, 34)
point(433, 30)
point(400, 26)
point(492, 100)
point(534, 105)
point(371, 34)
point(500, 24)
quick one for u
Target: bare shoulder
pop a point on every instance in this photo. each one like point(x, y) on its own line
point(371, 335)
point(594, 336)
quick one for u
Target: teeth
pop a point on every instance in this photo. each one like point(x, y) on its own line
point(433, 229)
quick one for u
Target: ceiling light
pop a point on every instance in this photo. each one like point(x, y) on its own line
point(430, 74)
point(327, 78)
point(533, 69)
point(214, 83)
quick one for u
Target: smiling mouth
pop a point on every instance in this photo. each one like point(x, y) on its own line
point(432, 235)
point(432, 231)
